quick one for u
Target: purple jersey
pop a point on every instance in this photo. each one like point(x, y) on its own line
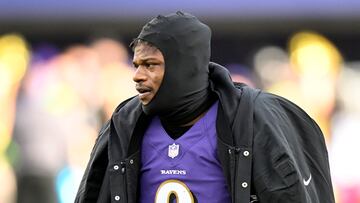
point(186, 169)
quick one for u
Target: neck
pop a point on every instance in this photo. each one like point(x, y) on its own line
point(190, 112)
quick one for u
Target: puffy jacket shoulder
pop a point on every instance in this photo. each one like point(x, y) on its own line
point(290, 161)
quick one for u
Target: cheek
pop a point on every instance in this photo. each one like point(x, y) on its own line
point(159, 79)
point(157, 82)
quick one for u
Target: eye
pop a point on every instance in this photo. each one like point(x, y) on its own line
point(150, 65)
point(154, 64)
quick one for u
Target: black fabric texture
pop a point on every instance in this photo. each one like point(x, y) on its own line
point(185, 44)
point(175, 131)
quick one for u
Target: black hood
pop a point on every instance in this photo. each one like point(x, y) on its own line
point(185, 44)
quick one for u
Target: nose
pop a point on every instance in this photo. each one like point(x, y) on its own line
point(139, 75)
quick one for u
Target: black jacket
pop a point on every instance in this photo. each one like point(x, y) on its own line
point(269, 149)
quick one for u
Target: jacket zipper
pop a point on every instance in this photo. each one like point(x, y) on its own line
point(123, 172)
point(234, 151)
point(237, 152)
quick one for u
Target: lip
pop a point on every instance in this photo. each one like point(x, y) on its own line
point(142, 88)
point(142, 96)
point(143, 91)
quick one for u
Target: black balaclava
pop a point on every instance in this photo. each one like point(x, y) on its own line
point(185, 44)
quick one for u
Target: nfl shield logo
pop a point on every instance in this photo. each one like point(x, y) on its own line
point(173, 150)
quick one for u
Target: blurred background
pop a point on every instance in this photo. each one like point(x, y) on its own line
point(65, 65)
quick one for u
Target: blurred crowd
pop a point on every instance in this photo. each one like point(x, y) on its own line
point(53, 102)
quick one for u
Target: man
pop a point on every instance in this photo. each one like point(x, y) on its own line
point(192, 135)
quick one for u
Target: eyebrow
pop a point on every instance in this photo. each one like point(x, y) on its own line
point(147, 59)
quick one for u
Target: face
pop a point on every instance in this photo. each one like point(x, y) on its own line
point(150, 67)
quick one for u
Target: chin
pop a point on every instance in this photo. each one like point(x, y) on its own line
point(144, 102)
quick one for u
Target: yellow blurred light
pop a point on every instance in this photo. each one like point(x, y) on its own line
point(317, 62)
point(15, 64)
point(13, 43)
point(313, 55)
point(14, 57)
point(5, 81)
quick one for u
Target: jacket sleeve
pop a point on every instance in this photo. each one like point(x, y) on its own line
point(289, 155)
point(94, 172)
